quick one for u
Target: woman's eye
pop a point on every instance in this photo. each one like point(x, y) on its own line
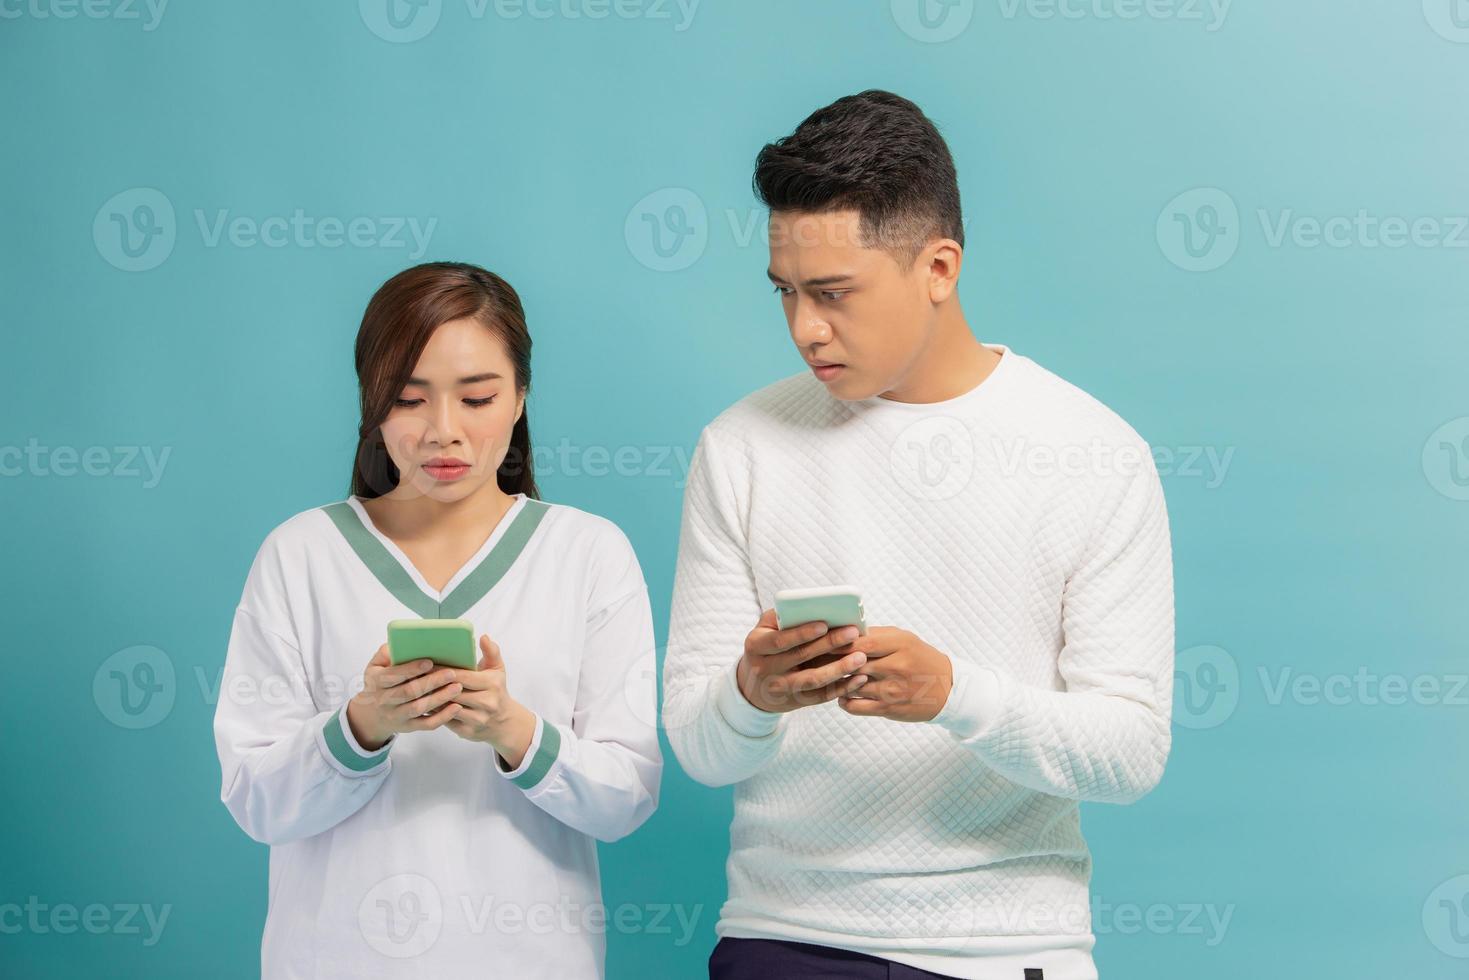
point(479, 402)
point(409, 402)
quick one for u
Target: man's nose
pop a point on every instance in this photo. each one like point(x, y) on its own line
point(807, 326)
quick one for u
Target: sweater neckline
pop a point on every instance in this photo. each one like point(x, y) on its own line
point(985, 389)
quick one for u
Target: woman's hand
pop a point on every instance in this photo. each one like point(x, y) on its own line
point(487, 712)
point(411, 697)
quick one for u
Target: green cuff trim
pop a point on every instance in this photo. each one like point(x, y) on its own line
point(343, 752)
point(545, 755)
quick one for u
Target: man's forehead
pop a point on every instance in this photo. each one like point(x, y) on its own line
point(841, 230)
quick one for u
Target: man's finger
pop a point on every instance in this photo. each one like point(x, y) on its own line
point(862, 706)
point(888, 692)
point(833, 691)
point(768, 642)
point(879, 642)
point(834, 642)
point(818, 677)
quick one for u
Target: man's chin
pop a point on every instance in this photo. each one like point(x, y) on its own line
point(849, 387)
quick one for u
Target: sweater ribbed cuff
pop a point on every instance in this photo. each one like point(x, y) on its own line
point(974, 700)
point(738, 712)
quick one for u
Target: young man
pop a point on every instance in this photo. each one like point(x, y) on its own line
point(907, 801)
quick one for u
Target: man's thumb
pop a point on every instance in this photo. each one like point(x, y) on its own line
point(489, 654)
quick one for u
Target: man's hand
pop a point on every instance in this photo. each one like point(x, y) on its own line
point(771, 673)
point(909, 680)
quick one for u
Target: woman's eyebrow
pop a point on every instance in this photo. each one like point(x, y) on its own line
point(487, 376)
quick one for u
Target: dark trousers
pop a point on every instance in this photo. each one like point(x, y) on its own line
point(778, 959)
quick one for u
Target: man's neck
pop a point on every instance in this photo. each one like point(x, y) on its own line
point(955, 363)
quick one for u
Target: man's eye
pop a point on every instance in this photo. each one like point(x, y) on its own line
point(479, 402)
point(832, 297)
point(784, 290)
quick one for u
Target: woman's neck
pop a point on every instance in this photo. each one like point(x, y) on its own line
point(412, 515)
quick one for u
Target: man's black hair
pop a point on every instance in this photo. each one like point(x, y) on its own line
point(875, 153)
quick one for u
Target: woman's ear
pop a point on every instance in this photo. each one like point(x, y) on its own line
point(519, 406)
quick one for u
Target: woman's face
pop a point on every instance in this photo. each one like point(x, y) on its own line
point(450, 429)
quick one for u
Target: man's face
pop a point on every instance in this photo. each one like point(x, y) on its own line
point(848, 304)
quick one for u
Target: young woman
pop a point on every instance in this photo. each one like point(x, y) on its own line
point(436, 821)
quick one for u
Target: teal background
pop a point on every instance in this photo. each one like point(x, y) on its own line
point(1332, 834)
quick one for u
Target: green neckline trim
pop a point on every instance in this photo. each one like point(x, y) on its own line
point(546, 754)
point(395, 578)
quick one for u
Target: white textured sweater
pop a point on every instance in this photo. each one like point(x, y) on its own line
point(1020, 528)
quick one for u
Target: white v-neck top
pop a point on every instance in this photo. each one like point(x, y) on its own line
point(427, 858)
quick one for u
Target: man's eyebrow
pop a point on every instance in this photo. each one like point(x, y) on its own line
point(487, 376)
point(819, 281)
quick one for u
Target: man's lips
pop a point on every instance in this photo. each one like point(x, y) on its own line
point(826, 370)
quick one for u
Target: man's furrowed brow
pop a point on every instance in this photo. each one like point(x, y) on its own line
point(816, 282)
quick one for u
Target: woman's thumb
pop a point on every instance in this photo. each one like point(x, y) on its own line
point(490, 654)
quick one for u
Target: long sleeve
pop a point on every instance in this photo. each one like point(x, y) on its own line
point(601, 774)
point(289, 771)
point(1106, 737)
point(718, 736)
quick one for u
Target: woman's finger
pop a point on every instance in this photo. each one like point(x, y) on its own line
point(419, 686)
point(429, 702)
point(429, 722)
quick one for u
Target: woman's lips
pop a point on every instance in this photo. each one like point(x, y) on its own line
point(827, 371)
point(446, 471)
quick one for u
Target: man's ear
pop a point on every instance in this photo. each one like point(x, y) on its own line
point(943, 260)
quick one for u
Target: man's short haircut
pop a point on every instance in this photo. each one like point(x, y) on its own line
point(875, 153)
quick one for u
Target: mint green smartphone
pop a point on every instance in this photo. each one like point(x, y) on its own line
point(835, 605)
point(448, 642)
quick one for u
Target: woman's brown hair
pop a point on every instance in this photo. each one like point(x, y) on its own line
point(400, 318)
